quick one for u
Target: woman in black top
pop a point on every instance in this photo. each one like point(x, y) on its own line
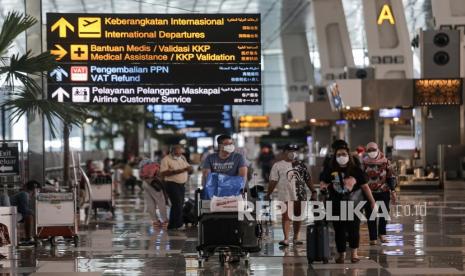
point(345, 182)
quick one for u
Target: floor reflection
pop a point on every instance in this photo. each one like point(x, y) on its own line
point(129, 245)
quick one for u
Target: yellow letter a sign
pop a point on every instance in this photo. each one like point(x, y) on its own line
point(386, 14)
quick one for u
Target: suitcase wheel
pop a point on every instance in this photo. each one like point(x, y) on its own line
point(325, 260)
point(310, 261)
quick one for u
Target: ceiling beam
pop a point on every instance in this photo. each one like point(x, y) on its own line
point(112, 3)
point(221, 6)
point(246, 6)
point(84, 7)
point(293, 15)
point(195, 5)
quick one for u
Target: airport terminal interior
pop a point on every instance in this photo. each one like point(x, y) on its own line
point(205, 137)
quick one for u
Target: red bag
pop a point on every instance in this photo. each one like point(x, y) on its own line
point(149, 170)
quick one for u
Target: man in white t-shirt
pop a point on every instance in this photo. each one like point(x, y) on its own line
point(290, 177)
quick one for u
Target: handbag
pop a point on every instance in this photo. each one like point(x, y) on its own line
point(356, 195)
point(157, 184)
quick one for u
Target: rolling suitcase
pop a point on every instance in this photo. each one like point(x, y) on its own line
point(318, 242)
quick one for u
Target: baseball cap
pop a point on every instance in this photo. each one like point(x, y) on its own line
point(291, 147)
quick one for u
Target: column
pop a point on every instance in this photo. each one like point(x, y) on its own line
point(450, 14)
point(332, 37)
point(388, 40)
point(445, 123)
point(35, 124)
point(298, 67)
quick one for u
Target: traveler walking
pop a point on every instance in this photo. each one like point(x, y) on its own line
point(290, 176)
point(155, 194)
point(381, 181)
point(265, 161)
point(175, 170)
point(345, 182)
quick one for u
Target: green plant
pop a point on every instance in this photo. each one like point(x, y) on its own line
point(21, 72)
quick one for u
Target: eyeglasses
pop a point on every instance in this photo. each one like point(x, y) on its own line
point(372, 150)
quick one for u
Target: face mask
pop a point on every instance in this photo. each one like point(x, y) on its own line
point(292, 155)
point(373, 154)
point(211, 151)
point(229, 148)
point(342, 160)
point(176, 157)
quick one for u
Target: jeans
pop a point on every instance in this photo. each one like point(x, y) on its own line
point(347, 231)
point(379, 229)
point(175, 193)
point(4, 200)
point(23, 203)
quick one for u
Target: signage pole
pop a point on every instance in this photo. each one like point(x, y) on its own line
point(3, 123)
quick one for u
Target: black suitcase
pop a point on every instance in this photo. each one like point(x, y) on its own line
point(188, 212)
point(318, 242)
point(224, 230)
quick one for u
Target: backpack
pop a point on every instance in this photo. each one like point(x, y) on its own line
point(149, 170)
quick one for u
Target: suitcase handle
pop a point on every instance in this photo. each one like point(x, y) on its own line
point(198, 201)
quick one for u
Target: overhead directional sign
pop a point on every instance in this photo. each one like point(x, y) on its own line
point(60, 94)
point(9, 159)
point(62, 26)
point(191, 116)
point(58, 51)
point(58, 74)
point(155, 58)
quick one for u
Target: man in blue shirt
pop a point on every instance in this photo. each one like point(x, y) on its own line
point(225, 161)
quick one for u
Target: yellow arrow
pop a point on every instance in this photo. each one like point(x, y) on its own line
point(60, 53)
point(62, 25)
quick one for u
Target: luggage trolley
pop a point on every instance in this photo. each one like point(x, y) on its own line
point(224, 233)
point(56, 216)
point(101, 186)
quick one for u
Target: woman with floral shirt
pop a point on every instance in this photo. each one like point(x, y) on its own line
point(381, 181)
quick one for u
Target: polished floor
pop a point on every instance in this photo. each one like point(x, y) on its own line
point(129, 245)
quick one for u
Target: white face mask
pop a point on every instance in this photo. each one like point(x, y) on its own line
point(229, 148)
point(211, 151)
point(373, 154)
point(176, 157)
point(342, 160)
